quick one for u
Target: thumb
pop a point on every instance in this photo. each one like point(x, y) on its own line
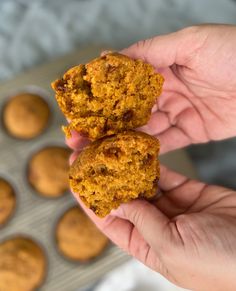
point(166, 50)
point(149, 220)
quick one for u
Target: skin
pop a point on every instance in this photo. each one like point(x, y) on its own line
point(189, 233)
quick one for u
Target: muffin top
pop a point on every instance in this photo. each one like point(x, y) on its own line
point(22, 265)
point(7, 201)
point(116, 169)
point(77, 236)
point(48, 171)
point(26, 115)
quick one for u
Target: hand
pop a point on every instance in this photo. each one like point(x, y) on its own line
point(188, 235)
point(198, 103)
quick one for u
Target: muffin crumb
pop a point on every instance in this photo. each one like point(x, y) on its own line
point(108, 95)
point(116, 169)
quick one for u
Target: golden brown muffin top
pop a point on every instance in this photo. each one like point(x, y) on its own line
point(48, 171)
point(26, 115)
point(7, 201)
point(22, 265)
point(77, 236)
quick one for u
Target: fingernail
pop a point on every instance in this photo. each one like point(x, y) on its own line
point(118, 212)
point(146, 128)
point(158, 194)
point(73, 157)
point(105, 52)
point(154, 108)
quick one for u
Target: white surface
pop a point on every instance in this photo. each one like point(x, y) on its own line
point(134, 276)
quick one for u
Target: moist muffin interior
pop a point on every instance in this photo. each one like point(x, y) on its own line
point(110, 94)
point(115, 170)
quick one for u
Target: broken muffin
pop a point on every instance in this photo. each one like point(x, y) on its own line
point(116, 169)
point(110, 94)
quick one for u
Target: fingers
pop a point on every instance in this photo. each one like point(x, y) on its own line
point(76, 142)
point(125, 235)
point(112, 226)
point(166, 50)
point(170, 180)
point(171, 139)
point(105, 52)
point(179, 193)
point(150, 222)
point(73, 157)
point(158, 123)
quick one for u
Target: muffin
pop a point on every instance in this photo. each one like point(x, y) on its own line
point(77, 236)
point(116, 169)
point(110, 94)
point(22, 265)
point(26, 115)
point(7, 201)
point(48, 171)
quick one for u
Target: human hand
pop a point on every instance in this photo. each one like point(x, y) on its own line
point(188, 235)
point(198, 103)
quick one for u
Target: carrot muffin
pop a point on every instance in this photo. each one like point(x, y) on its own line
point(116, 169)
point(22, 265)
point(77, 236)
point(7, 201)
point(26, 115)
point(110, 94)
point(48, 171)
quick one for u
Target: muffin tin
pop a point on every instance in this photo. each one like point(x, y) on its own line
point(36, 216)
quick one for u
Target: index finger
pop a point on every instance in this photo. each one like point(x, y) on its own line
point(166, 50)
point(76, 142)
